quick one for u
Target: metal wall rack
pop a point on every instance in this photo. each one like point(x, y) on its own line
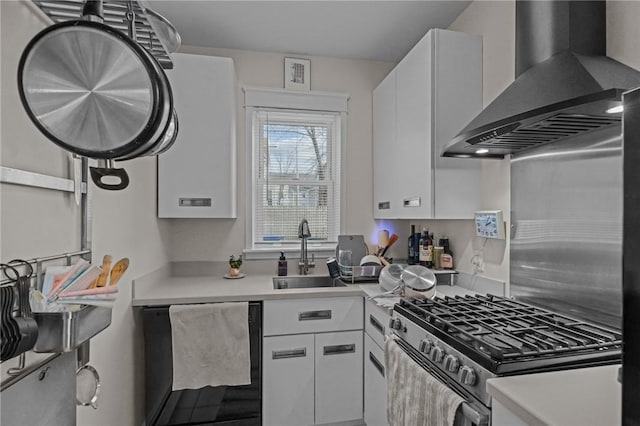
point(115, 15)
point(24, 178)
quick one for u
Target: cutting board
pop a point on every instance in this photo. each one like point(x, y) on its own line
point(356, 244)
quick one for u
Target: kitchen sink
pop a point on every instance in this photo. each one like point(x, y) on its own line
point(306, 281)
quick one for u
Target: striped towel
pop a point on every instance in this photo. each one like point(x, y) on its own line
point(415, 397)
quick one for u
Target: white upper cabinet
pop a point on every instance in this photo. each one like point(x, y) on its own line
point(384, 131)
point(197, 175)
point(417, 109)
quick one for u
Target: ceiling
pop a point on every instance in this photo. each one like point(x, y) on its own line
point(372, 30)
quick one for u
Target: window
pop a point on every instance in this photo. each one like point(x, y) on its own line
point(295, 175)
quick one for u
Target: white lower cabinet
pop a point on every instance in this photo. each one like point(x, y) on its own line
point(311, 379)
point(502, 416)
point(375, 384)
point(376, 319)
point(288, 380)
point(313, 362)
point(338, 377)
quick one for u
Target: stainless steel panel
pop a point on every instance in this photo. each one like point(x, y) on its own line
point(64, 331)
point(631, 266)
point(47, 396)
point(566, 236)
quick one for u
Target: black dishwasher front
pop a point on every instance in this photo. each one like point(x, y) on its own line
point(228, 405)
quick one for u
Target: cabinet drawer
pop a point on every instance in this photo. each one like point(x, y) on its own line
point(312, 315)
point(376, 320)
point(375, 384)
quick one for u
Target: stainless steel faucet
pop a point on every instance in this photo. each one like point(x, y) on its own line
point(303, 233)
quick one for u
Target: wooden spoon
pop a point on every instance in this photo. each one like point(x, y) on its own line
point(118, 270)
point(102, 278)
point(392, 239)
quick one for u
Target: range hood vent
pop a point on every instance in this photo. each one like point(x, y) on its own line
point(564, 84)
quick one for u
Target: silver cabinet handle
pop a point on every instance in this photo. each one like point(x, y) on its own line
point(376, 324)
point(412, 202)
point(289, 353)
point(314, 315)
point(194, 202)
point(339, 349)
point(384, 205)
point(377, 364)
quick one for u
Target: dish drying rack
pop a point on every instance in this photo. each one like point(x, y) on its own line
point(115, 15)
point(359, 274)
point(58, 331)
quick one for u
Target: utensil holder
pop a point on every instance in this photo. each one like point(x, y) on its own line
point(65, 331)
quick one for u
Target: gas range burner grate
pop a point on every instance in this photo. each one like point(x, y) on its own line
point(505, 329)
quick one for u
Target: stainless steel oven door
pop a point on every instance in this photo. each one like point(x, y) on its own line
point(471, 412)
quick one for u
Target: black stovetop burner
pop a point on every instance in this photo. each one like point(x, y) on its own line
point(507, 335)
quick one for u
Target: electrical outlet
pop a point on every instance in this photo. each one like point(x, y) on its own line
point(478, 262)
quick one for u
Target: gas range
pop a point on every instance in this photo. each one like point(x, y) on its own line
point(467, 340)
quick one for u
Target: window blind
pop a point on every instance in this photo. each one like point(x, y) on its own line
point(297, 176)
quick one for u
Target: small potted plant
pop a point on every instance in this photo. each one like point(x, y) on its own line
point(234, 265)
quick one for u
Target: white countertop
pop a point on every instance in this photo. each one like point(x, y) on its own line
point(160, 288)
point(168, 290)
point(585, 396)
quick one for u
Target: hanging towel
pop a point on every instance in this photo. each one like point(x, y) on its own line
point(210, 344)
point(415, 397)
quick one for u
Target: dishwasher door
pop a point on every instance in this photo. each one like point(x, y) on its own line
point(228, 405)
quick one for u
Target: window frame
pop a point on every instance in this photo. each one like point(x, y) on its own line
point(259, 99)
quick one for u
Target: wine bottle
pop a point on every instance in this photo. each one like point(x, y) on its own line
point(411, 246)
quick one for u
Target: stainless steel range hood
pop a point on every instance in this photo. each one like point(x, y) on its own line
point(564, 83)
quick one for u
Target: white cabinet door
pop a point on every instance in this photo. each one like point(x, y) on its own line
point(288, 380)
point(197, 175)
point(375, 384)
point(457, 100)
point(414, 127)
point(438, 90)
point(385, 156)
point(338, 377)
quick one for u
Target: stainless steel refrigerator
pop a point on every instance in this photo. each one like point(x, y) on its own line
point(631, 259)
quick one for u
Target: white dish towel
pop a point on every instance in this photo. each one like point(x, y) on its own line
point(415, 397)
point(210, 344)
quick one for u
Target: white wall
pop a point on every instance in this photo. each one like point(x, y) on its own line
point(38, 222)
point(495, 22)
point(216, 239)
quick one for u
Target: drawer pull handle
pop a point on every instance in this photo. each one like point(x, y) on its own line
point(384, 205)
point(377, 364)
point(412, 202)
point(376, 324)
point(194, 202)
point(289, 353)
point(339, 349)
point(314, 315)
